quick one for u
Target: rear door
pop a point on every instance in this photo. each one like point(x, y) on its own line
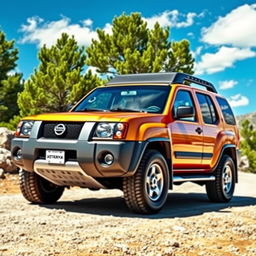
point(186, 134)
point(212, 129)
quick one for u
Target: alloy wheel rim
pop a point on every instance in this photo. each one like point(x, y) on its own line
point(154, 182)
point(227, 179)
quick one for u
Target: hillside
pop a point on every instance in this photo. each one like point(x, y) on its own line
point(250, 116)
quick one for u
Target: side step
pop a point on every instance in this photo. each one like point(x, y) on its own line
point(194, 178)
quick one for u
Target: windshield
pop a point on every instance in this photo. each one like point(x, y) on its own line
point(149, 99)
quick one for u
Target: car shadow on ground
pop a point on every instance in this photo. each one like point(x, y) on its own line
point(177, 205)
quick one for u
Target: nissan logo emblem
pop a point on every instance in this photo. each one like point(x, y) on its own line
point(59, 129)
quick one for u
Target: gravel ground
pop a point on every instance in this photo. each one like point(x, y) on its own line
point(86, 222)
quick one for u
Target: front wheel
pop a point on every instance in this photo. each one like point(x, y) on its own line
point(36, 189)
point(146, 191)
point(222, 189)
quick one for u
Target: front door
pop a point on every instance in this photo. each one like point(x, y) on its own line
point(186, 134)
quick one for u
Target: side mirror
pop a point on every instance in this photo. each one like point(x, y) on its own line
point(185, 111)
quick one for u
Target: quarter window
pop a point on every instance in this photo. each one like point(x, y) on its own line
point(226, 111)
point(207, 108)
point(184, 98)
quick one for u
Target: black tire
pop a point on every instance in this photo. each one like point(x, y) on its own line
point(222, 189)
point(152, 177)
point(37, 189)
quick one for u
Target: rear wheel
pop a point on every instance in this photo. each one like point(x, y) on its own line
point(222, 189)
point(146, 191)
point(37, 189)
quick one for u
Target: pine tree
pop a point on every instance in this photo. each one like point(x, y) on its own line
point(248, 143)
point(10, 81)
point(134, 48)
point(180, 58)
point(59, 81)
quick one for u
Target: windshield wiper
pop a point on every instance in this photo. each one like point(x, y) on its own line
point(125, 110)
point(91, 110)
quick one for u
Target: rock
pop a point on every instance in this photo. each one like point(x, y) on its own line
point(2, 176)
point(168, 252)
point(178, 228)
point(6, 161)
point(5, 138)
point(176, 244)
point(244, 163)
point(5, 155)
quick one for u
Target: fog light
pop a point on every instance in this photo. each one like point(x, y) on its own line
point(19, 154)
point(108, 159)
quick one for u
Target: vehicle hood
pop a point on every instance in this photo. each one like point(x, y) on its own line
point(93, 116)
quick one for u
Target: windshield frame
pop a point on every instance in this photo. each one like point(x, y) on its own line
point(138, 86)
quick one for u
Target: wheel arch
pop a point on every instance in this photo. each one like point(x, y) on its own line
point(230, 150)
point(162, 145)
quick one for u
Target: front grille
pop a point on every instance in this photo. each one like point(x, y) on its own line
point(73, 130)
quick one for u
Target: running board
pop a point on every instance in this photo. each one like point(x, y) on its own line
point(177, 179)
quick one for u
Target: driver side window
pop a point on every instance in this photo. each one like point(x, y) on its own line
point(184, 98)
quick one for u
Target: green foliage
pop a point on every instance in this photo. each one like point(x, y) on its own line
point(58, 82)
point(12, 124)
point(134, 48)
point(180, 58)
point(248, 144)
point(10, 81)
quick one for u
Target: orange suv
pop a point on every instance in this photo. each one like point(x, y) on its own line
point(140, 133)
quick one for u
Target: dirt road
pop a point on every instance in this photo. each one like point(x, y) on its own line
point(84, 222)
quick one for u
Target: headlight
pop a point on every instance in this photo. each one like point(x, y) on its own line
point(111, 130)
point(24, 128)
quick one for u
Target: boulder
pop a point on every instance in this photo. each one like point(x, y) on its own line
point(6, 161)
point(5, 138)
point(244, 163)
point(2, 176)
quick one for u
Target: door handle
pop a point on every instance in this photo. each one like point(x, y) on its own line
point(198, 130)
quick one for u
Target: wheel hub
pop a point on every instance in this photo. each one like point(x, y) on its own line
point(154, 182)
point(227, 179)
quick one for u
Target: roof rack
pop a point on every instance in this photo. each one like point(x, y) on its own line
point(164, 78)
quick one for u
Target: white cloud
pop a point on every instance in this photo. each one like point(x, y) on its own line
point(108, 28)
point(88, 22)
point(237, 28)
point(225, 57)
point(41, 32)
point(93, 70)
point(238, 100)
point(46, 33)
point(197, 52)
point(190, 34)
point(227, 84)
point(188, 22)
point(171, 19)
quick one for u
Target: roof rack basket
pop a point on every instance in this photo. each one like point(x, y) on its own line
point(169, 78)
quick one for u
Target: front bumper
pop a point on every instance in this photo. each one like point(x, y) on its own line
point(85, 152)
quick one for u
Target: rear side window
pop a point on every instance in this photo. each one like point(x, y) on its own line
point(207, 108)
point(226, 111)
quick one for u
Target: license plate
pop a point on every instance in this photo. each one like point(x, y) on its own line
point(55, 156)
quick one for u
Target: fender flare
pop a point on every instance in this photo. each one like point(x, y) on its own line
point(140, 150)
point(235, 157)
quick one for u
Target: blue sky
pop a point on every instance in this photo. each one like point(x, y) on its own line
point(222, 34)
